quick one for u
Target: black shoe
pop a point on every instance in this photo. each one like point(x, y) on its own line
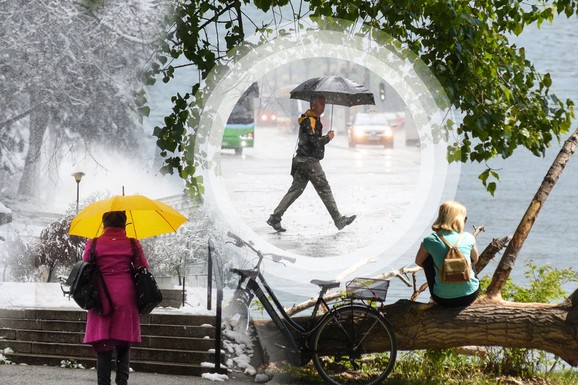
point(344, 221)
point(275, 223)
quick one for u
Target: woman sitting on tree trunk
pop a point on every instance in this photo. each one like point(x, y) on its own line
point(432, 252)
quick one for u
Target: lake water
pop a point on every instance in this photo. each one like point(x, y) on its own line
point(553, 237)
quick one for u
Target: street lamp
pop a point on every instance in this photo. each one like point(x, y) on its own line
point(77, 177)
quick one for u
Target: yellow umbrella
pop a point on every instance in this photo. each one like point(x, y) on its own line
point(144, 217)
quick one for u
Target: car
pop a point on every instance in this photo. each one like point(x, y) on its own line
point(370, 128)
point(396, 119)
point(267, 117)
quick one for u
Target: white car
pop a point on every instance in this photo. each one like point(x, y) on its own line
point(371, 128)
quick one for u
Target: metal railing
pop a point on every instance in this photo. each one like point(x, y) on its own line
point(213, 260)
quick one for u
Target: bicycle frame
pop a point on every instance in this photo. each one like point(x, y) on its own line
point(339, 341)
point(255, 283)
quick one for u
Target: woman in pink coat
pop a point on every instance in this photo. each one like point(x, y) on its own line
point(117, 325)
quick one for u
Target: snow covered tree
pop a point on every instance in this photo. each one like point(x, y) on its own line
point(70, 79)
point(174, 253)
point(57, 248)
point(17, 255)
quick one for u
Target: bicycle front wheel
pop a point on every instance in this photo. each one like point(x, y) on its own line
point(354, 345)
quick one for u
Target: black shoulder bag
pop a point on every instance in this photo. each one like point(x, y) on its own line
point(84, 281)
point(148, 294)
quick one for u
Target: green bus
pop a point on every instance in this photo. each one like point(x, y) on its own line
point(240, 128)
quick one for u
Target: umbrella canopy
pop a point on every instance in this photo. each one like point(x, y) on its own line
point(335, 89)
point(144, 217)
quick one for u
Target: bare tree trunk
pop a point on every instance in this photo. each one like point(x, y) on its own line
point(51, 268)
point(490, 252)
point(510, 255)
point(39, 119)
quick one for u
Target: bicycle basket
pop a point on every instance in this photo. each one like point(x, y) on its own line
point(367, 288)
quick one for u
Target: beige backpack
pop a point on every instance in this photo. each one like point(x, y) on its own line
point(455, 266)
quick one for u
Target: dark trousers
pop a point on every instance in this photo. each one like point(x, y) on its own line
point(104, 366)
point(430, 276)
point(308, 169)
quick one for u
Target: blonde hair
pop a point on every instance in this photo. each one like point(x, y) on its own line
point(451, 216)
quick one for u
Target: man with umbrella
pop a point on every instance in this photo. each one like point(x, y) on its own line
point(307, 167)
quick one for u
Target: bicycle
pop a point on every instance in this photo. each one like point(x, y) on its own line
point(351, 343)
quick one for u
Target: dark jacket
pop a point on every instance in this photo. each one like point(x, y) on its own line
point(311, 141)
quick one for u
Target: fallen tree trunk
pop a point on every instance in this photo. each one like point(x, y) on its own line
point(552, 328)
point(547, 327)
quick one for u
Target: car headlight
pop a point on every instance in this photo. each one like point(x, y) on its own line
point(358, 132)
point(388, 132)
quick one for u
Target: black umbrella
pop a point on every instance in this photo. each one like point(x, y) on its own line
point(335, 89)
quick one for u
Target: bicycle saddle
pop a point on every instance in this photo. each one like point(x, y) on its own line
point(326, 285)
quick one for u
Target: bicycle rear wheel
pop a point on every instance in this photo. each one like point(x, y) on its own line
point(354, 345)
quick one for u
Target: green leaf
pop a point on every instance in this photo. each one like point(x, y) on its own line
point(547, 80)
point(491, 188)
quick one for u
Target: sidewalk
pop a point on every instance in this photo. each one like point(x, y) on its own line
point(47, 375)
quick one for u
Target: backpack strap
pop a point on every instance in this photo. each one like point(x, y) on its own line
point(446, 242)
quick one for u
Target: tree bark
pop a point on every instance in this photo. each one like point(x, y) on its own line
point(510, 255)
point(552, 328)
point(39, 119)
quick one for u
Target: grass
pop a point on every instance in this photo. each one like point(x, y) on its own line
point(409, 371)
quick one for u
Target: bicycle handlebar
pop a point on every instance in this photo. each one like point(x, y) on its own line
point(279, 258)
point(238, 241)
point(274, 257)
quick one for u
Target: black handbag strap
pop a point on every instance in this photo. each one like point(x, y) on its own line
point(101, 281)
point(93, 251)
point(134, 253)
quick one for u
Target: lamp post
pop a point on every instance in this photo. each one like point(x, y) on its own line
point(77, 177)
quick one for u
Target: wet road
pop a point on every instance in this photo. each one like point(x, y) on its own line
point(375, 183)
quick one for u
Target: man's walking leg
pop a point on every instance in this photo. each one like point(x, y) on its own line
point(294, 192)
point(319, 181)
